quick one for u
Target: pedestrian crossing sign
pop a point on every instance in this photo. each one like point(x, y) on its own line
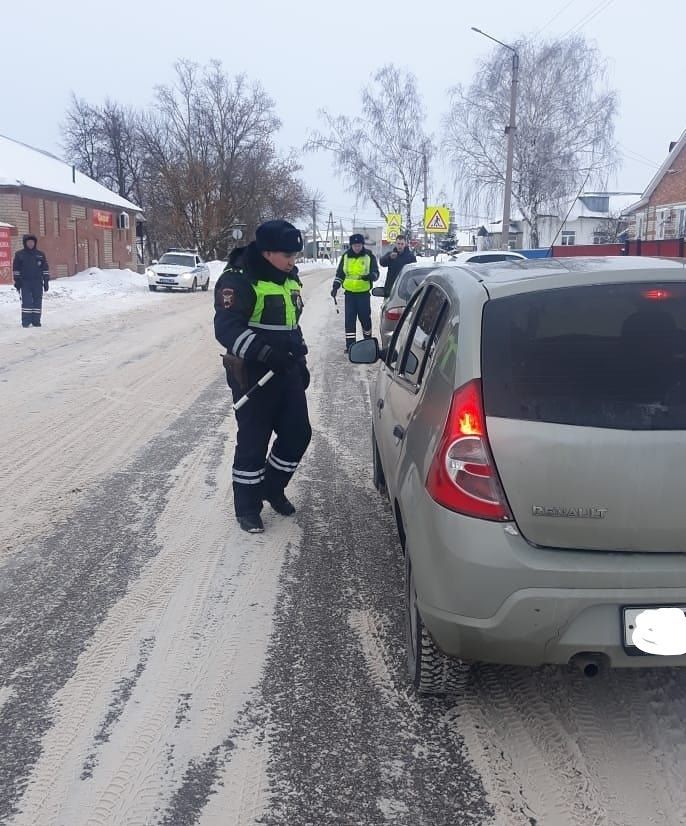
point(436, 219)
point(394, 220)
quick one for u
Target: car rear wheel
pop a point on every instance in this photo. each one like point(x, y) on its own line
point(377, 470)
point(194, 286)
point(431, 671)
point(152, 288)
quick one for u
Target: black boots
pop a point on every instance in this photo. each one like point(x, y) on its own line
point(251, 522)
point(282, 505)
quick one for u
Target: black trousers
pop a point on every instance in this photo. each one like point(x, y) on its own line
point(31, 302)
point(357, 305)
point(280, 407)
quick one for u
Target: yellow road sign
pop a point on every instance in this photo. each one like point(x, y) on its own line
point(436, 219)
point(394, 220)
point(392, 234)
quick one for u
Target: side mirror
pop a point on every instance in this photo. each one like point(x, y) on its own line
point(364, 352)
point(379, 292)
point(154, 261)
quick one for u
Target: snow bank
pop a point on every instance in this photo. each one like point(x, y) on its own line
point(93, 293)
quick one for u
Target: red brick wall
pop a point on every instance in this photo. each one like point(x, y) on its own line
point(70, 240)
point(672, 187)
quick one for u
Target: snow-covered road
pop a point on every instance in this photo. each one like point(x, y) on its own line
point(158, 666)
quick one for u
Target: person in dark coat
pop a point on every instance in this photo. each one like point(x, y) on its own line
point(395, 260)
point(257, 304)
point(31, 279)
point(357, 271)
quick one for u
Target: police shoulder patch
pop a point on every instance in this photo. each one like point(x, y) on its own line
point(227, 298)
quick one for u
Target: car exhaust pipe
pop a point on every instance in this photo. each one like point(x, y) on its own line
point(590, 665)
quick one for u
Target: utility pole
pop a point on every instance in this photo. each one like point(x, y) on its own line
point(426, 193)
point(330, 225)
point(510, 132)
point(314, 229)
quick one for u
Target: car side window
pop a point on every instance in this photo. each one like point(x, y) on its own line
point(422, 340)
point(399, 339)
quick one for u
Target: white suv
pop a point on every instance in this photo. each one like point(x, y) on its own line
point(179, 270)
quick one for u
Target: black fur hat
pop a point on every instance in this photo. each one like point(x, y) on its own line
point(356, 238)
point(278, 236)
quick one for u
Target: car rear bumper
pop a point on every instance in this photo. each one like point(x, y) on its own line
point(486, 594)
point(550, 626)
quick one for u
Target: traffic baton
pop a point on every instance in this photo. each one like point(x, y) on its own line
point(336, 304)
point(248, 393)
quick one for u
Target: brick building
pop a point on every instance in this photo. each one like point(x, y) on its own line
point(661, 212)
point(78, 222)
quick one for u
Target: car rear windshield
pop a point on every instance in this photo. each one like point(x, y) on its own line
point(596, 356)
point(178, 260)
point(411, 280)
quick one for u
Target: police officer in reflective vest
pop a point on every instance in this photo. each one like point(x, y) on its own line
point(31, 278)
point(257, 304)
point(357, 271)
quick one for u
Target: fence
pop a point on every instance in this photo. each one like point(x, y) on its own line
point(666, 248)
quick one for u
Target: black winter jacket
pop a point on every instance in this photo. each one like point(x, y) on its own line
point(30, 265)
point(234, 303)
point(395, 265)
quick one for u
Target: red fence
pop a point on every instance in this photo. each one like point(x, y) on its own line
point(667, 248)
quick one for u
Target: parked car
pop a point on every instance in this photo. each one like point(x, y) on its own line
point(412, 275)
point(179, 270)
point(529, 430)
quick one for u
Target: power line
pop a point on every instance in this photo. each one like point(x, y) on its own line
point(554, 17)
point(634, 156)
point(590, 16)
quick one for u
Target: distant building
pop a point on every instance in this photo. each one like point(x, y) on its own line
point(78, 222)
point(661, 211)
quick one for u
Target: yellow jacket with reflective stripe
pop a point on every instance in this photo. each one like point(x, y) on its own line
point(354, 270)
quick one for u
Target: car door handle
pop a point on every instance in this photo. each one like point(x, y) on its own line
point(399, 432)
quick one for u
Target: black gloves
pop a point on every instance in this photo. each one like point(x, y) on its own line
point(46, 285)
point(367, 277)
point(278, 361)
point(304, 373)
point(333, 292)
point(17, 287)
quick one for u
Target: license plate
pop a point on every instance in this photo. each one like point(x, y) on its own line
point(167, 281)
point(629, 615)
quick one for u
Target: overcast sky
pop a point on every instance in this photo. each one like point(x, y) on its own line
point(310, 55)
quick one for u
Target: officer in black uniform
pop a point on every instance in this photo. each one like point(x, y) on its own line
point(257, 304)
point(31, 278)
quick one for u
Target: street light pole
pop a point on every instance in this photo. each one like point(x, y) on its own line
point(510, 132)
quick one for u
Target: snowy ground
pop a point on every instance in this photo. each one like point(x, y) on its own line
point(94, 293)
point(161, 667)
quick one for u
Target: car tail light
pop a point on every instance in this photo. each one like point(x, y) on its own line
point(657, 295)
point(393, 313)
point(462, 476)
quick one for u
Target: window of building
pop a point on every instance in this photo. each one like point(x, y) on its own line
point(682, 223)
point(568, 238)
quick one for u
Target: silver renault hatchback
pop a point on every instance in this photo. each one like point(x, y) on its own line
point(529, 430)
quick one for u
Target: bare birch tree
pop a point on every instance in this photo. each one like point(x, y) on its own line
point(379, 152)
point(564, 134)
